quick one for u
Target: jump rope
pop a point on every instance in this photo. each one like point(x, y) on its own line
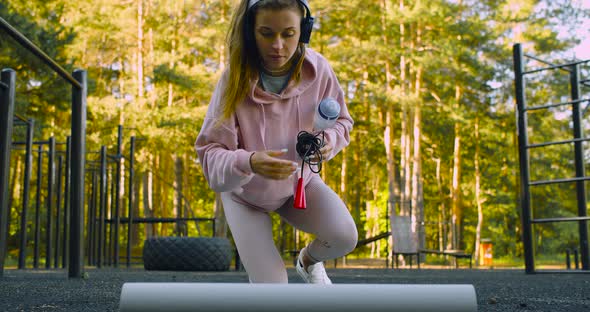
point(308, 148)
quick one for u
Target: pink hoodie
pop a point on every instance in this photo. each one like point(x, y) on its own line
point(268, 121)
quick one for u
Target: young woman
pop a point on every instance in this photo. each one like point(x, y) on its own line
point(246, 146)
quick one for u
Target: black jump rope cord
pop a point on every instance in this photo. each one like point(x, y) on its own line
point(308, 146)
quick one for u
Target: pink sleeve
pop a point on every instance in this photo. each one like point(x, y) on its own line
point(225, 166)
point(339, 135)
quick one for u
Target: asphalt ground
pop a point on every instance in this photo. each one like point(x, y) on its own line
point(497, 290)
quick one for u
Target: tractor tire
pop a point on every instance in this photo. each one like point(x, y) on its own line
point(187, 253)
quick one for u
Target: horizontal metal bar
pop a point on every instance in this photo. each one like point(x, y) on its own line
point(557, 142)
point(554, 67)
point(543, 182)
point(158, 220)
point(20, 38)
point(556, 104)
point(21, 118)
point(34, 143)
point(18, 122)
point(543, 61)
point(564, 219)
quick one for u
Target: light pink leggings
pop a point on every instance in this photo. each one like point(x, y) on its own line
point(326, 217)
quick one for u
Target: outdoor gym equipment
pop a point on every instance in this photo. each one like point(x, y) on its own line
point(219, 297)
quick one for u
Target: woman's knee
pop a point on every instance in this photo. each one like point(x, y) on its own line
point(345, 238)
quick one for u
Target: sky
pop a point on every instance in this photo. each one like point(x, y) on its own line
point(582, 51)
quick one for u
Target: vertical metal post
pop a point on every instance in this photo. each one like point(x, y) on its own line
point(76, 259)
point(568, 264)
point(26, 196)
point(91, 234)
point(38, 207)
point(49, 203)
point(58, 192)
point(7, 91)
point(580, 172)
point(66, 227)
point(117, 194)
point(111, 223)
point(130, 212)
point(523, 155)
point(102, 205)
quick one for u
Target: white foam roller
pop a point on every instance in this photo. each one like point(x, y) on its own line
point(221, 297)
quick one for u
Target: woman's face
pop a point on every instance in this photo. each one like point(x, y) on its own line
point(277, 36)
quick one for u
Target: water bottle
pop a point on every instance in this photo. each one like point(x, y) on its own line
point(326, 114)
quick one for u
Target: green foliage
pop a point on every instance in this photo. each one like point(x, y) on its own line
point(152, 67)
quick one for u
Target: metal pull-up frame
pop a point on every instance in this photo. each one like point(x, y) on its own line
point(523, 151)
point(78, 81)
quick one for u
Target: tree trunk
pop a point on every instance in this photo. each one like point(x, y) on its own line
point(456, 216)
point(147, 201)
point(442, 214)
point(180, 227)
point(478, 200)
point(140, 49)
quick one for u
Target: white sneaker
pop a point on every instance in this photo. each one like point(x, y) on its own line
point(315, 274)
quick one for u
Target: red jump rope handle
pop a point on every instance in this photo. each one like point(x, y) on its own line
point(299, 202)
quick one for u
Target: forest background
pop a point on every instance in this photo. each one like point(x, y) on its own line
point(429, 84)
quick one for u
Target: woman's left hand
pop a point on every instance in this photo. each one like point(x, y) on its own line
point(325, 151)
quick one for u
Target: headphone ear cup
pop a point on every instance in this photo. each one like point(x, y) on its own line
point(306, 29)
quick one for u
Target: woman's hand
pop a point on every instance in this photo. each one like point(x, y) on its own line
point(325, 151)
point(267, 165)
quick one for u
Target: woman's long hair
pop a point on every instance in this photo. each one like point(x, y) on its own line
point(244, 59)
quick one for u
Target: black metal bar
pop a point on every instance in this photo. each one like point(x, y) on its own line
point(576, 262)
point(544, 182)
point(576, 101)
point(366, 241)
point(37, 143)
point(92, 217)
point(20, 38)
point(117, 194)
point(26, 194)
point(543, 61)
point(49, 203)
point(568, 264)
point(103, 205)
point(38, 207)
point(124, 220)
point(8, 77)
point(561, 219)
point(3, 85)
point(22, 118)
point(76, 262)
point(112, 213)
point(557, 142)
point(66, 216)
point(580, 171)
point(525, 196)
point(131, 199)
point(58, 224)
point(555, 67)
